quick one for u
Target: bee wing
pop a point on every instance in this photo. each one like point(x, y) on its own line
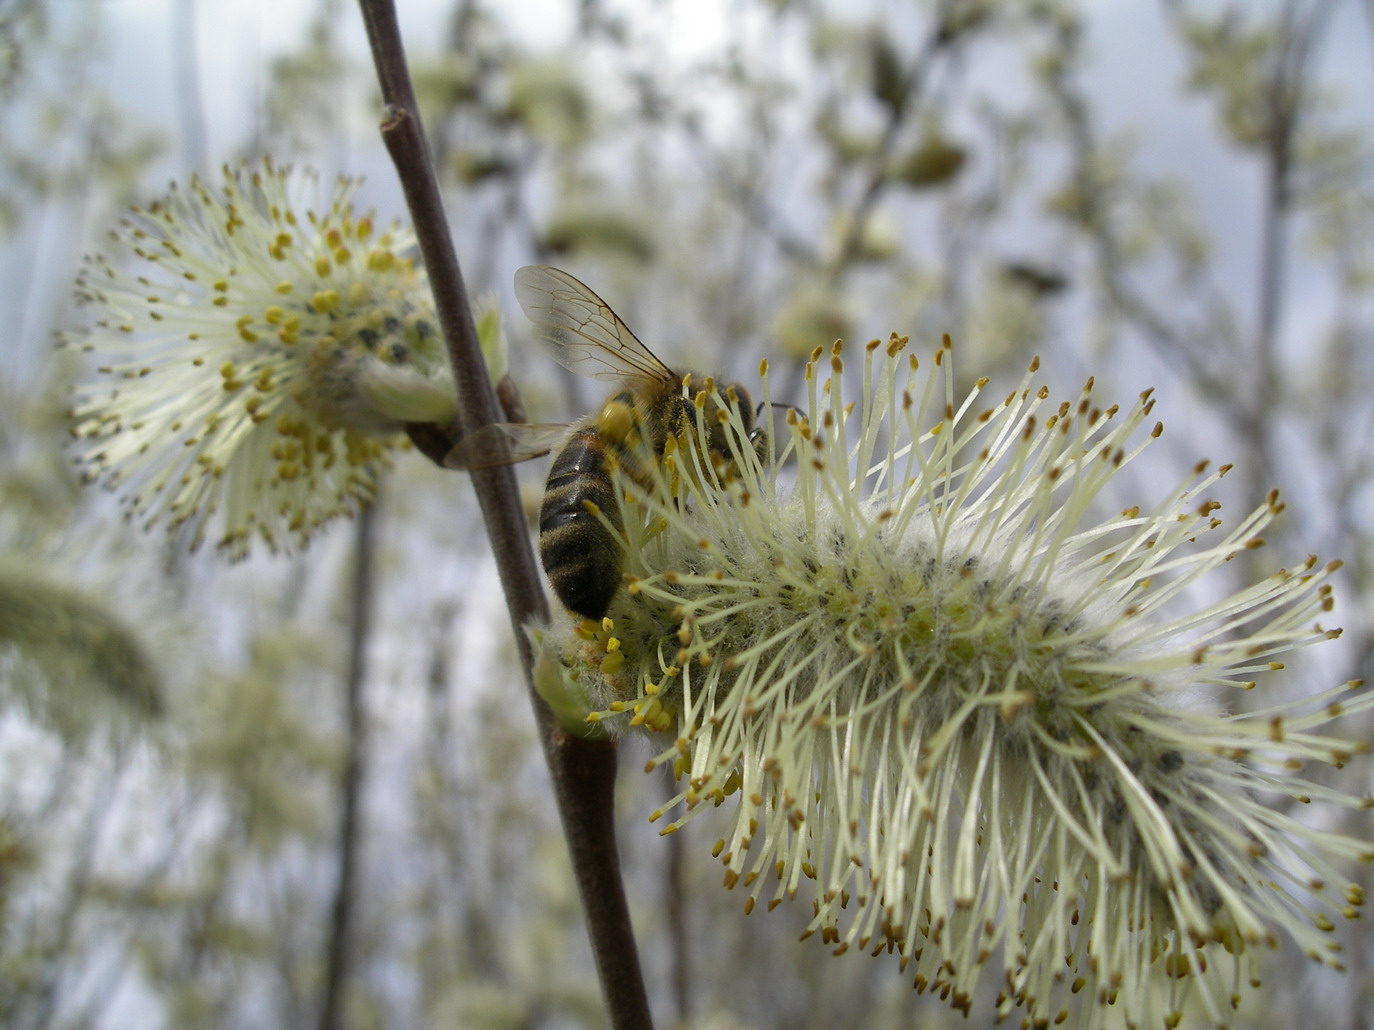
point(504, 443)
point(582, 332)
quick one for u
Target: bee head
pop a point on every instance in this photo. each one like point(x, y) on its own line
point(717, 415)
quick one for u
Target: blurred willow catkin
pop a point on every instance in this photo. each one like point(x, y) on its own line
point(78, 664)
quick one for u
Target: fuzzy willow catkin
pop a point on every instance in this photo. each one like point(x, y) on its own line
point(972, 722)
point(256, 359)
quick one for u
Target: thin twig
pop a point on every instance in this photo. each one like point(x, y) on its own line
point(339, 943)
point(583, 771)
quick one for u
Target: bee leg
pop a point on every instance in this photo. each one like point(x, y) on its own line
point(433, 440)
point(508, 394)
point(436, 441)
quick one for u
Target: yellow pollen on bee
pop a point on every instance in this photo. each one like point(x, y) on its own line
point(616, 421)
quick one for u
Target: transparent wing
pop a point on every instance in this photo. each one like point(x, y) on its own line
point(504, 443)
point(582, 332)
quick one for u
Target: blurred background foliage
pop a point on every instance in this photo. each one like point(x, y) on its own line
point(1174, 194)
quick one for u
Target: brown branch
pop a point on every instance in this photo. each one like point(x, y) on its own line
point(583, 772)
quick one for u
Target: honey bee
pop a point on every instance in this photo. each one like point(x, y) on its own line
point(583, 556)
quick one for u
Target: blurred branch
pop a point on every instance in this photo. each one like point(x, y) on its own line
point(903, 99)
point(583, 772)
point(745, 194)
point(1248, 401)
point(1096, 221)
point(339, 941)
point(124, 960)
point(1284, 105)
point(58, 933)
point(675, 904)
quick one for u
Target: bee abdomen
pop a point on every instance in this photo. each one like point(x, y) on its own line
point(581, 555)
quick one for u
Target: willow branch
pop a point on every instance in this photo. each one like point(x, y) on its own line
point(583, 771)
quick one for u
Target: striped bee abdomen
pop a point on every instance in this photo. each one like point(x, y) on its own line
point(581, 556)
